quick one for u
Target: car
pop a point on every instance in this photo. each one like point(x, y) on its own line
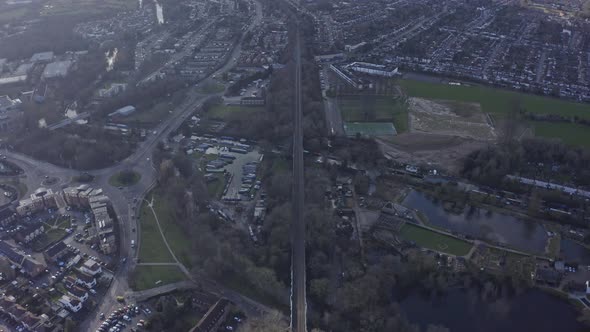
point(102, 313)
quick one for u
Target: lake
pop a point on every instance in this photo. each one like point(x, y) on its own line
point(463, 311)
point(573, 252)
point(523, 235)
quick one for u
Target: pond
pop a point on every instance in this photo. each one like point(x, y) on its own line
point(523, 235)
point(574, 252)
point(464, 311)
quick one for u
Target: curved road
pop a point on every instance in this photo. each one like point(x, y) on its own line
point(126, 201)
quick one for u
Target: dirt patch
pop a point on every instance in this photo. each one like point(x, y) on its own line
point(440, 151)
point(450, 118)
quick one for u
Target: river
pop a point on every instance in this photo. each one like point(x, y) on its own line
point(523, 235)
point(111, 58)
point(464, 311)
point(159, 12)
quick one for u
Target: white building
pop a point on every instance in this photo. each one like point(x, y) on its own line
point(71, 303)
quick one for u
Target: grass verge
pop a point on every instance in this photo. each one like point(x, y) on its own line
point(152, 248)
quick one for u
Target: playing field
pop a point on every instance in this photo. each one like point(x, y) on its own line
point(369, 128)
point(498, 101)
point(494, 100)
point(374, 109)
point(431, 240)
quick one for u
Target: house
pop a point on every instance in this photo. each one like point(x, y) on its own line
point(7, 217)
point(85, 280)
point(91, 268)
point(30, 321)
point(214, 317)
point(56, 252)
point(26, 265)
point(78, 292)
point(16, 312)
point(70, 303)
point(29, 232)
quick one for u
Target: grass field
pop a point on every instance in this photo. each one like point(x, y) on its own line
point(8, 15)
point(569, 133)
point(369, 128)
point(152, 248)
point(211, 87)
point(179, 241)
point(498, 102)
point(215, 188)
point(118, 180)
point(146, 276)
point(494, 100)
point(227, 112)
point(354, 109)
point(434, 241)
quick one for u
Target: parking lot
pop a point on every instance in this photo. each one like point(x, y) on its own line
point(127, 316)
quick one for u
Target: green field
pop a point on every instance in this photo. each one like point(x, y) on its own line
point(499, 101)
point(210, 87)
point(369, 128)
point(152, 248)
point(118, 180)
point(569, 133)
point(178, 240)
point(494, 100)
point(431, 240)
point(146, 276)
point(8, 15)
point(380, 109)
point(229, 112)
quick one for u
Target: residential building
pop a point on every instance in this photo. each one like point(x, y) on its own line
point(71, 303)
point(7, 216)
point(26, 265)
point(29, 232)
point(91, 268)
point(55, 252)
point(85, 280)
point(78, 292)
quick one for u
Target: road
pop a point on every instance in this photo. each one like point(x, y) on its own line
point(298, 298)
point(126, 201)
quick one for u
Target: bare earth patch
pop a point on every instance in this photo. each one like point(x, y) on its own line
point(450, 118)
point(440, 151)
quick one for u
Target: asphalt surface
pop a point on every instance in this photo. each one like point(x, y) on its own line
point(298, 298)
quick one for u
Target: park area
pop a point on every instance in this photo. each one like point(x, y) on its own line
point(499, 102)
point(155, 250)
point(434, 241)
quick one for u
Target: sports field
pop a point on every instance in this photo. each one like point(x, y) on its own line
point(431, 240)
point(374, 109)
point(494, 100)
point(499, 101)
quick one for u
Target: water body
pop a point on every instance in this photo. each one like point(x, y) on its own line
point(159, 12)
point(464, 311)
point(523, 235)
point(111, 58)
point(574, 252)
